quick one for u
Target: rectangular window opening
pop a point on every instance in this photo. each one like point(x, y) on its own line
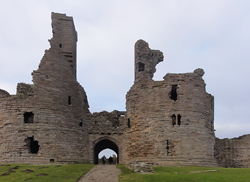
point(141, 66)
point(173, 92)
point(28, 117)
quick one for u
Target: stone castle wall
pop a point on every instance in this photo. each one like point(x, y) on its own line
point(54, 106)
point(171, 120)
point(167, 123)
point(233, 152)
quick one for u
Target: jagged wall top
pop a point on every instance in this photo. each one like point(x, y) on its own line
point(146, 60)
point(64, 37)
point(62, 51)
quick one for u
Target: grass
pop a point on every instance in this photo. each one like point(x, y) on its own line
point(72, 172)
point(42, 173)
point(187, 174)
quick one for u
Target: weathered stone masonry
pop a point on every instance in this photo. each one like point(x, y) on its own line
point(167, 123)
point(56, 100)
point(233, 152)
point(171, 120)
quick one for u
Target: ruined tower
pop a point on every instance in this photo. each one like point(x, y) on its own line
point(171, 120)
point(45, 122)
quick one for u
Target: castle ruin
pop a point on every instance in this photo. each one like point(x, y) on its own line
point(166, 123)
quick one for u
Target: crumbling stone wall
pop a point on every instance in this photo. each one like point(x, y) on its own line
point(146, 60)
point(56, 104)
point(105, 121)
point(233, 152)
point(171, 120)
point(4, 93)
point(107, 131)
point(168, 122)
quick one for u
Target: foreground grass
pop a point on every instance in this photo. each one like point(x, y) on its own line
point(187, 174)
point(43, 173)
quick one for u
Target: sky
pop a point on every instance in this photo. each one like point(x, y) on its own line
point(209, 34)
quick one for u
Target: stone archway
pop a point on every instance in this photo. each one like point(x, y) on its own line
point(104, 144)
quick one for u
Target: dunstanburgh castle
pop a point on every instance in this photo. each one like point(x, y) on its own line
point(166, 123)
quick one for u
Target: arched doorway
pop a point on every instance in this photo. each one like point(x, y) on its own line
point(104, 144)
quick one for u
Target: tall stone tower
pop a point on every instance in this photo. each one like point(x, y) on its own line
point(171, 121)
point(46, 121)
point(64, 38)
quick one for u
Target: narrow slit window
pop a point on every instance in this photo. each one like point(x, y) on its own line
point(179, 119)
point(167, 147)
point(69, 100)
point(173, 93)
point(128, 123)
point(60, 45)
point(141, 66)
point(28, 117)
point(173, 119)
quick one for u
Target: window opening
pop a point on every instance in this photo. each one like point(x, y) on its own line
point(173, 93)
point(28, 117)
point(128, 123)
point(52, 160)
point(179, 119)
point(69, 100)
point(173, 119)
point(80, 124)
point(32, 145)
point(167, 147)
point(141, 66)
point(60, 45)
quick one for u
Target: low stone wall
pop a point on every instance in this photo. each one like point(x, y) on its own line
point(233, 152)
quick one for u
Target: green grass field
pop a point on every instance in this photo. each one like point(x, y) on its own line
point(187, 174)
point(72, 172)
point(42, 173)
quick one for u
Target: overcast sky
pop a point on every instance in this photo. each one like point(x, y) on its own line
point(209, 34)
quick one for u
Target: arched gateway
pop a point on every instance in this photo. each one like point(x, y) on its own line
point(104, 144)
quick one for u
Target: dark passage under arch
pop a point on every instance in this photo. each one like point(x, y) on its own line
point(105, 144)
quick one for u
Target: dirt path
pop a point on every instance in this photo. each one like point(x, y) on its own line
point(102, 173)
